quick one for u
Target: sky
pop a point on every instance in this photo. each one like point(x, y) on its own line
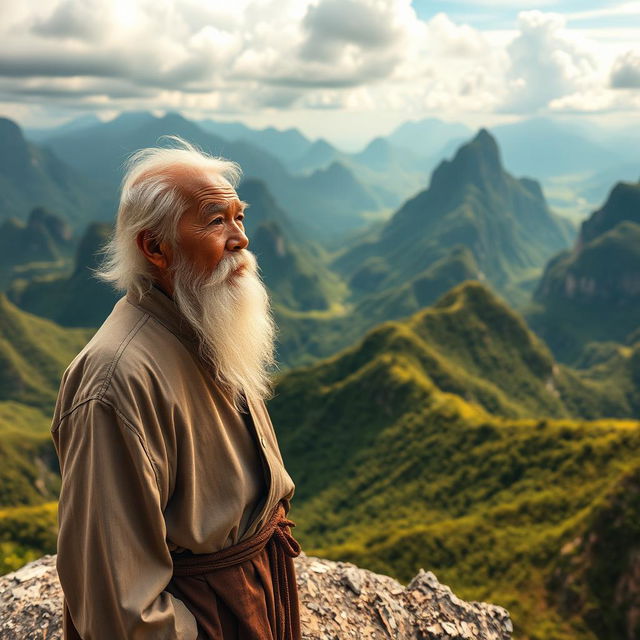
point(346, 70)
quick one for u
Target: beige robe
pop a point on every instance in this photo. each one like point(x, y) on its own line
point(153, 459)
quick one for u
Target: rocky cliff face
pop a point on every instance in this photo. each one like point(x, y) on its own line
point(338, 601)
point(591, 293)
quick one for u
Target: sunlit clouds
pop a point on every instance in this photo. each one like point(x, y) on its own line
point(63, 57)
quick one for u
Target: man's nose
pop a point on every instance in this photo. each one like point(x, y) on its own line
point(237, 240)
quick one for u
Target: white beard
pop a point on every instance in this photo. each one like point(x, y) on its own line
point(231, 315)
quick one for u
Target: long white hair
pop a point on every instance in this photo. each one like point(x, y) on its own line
point(151, 199)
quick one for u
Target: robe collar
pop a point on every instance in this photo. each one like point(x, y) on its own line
point(158, 304)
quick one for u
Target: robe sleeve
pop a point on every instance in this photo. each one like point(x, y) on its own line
point(113, 560)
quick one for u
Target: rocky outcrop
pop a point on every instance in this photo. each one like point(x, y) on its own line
point(338, 601)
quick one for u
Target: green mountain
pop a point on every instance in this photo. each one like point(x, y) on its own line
point(344, 201)
point(317, 156)
point(393, 172)
point(592, 292)
point(594, 580)
point(76, 124)
point(76, 300)
point(293, 267)
point(305, 338)
point(33, 354)
point(284, 144)
point(470, 343)
point(418, 447)
point(100, 151)
point(43, 242)
point(31, 176)
point(623, 204)
point(471, 201)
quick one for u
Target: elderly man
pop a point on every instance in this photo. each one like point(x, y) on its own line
point(174, 494)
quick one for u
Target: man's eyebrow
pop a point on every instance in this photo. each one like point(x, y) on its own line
point(219, 207)
point(215, 207)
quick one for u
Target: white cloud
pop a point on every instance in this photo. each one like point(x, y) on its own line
point(249, 56)
point(546, 63)
point(86, 20)
point(625, 73)
point(614, 9)
point(506, 4)
point(450, 39)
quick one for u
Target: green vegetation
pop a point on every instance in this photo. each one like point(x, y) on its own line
point(591, 293)
point(34, 352)
point(29, 485)
point(471, 201)
point(26, 533)
point(29, 473)
point(394, 471)
point(31, 176)
point(76, 300)
point(43, 243)
point(450, 439)
point(292, 266)
point(472, 344)
point(595, 575)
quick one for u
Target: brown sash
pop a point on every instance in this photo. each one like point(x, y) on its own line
point(216, 586)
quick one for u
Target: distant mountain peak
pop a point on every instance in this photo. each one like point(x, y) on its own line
point(337, 170)
point(623, 203)
point(88, 253)
point(10, 128)
point(477, 162)
point(15, 157)
point(486, 146)
point(322, 144)
point(173, 117)
point(378, 144)
point(132, 118)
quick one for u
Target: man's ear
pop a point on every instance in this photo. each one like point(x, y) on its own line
point(157, 253)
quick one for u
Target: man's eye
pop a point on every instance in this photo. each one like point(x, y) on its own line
point(241, 217)
point(215, 221)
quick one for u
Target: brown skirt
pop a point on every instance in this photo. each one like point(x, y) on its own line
point(247, 591)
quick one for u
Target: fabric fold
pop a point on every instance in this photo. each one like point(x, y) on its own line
point(247, 591)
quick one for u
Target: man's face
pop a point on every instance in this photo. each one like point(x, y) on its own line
point(217, 288)
point(212, 227)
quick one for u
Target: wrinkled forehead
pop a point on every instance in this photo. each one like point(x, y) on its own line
point(197, 185)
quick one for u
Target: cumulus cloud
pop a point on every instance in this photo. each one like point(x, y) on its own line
point(545, 63)
point(625, 73)
point(344, 44)
point(79, 19)
point(248, 55)
point(334, 25)
point(458, 40)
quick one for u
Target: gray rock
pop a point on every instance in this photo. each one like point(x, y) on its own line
point(338, 601)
